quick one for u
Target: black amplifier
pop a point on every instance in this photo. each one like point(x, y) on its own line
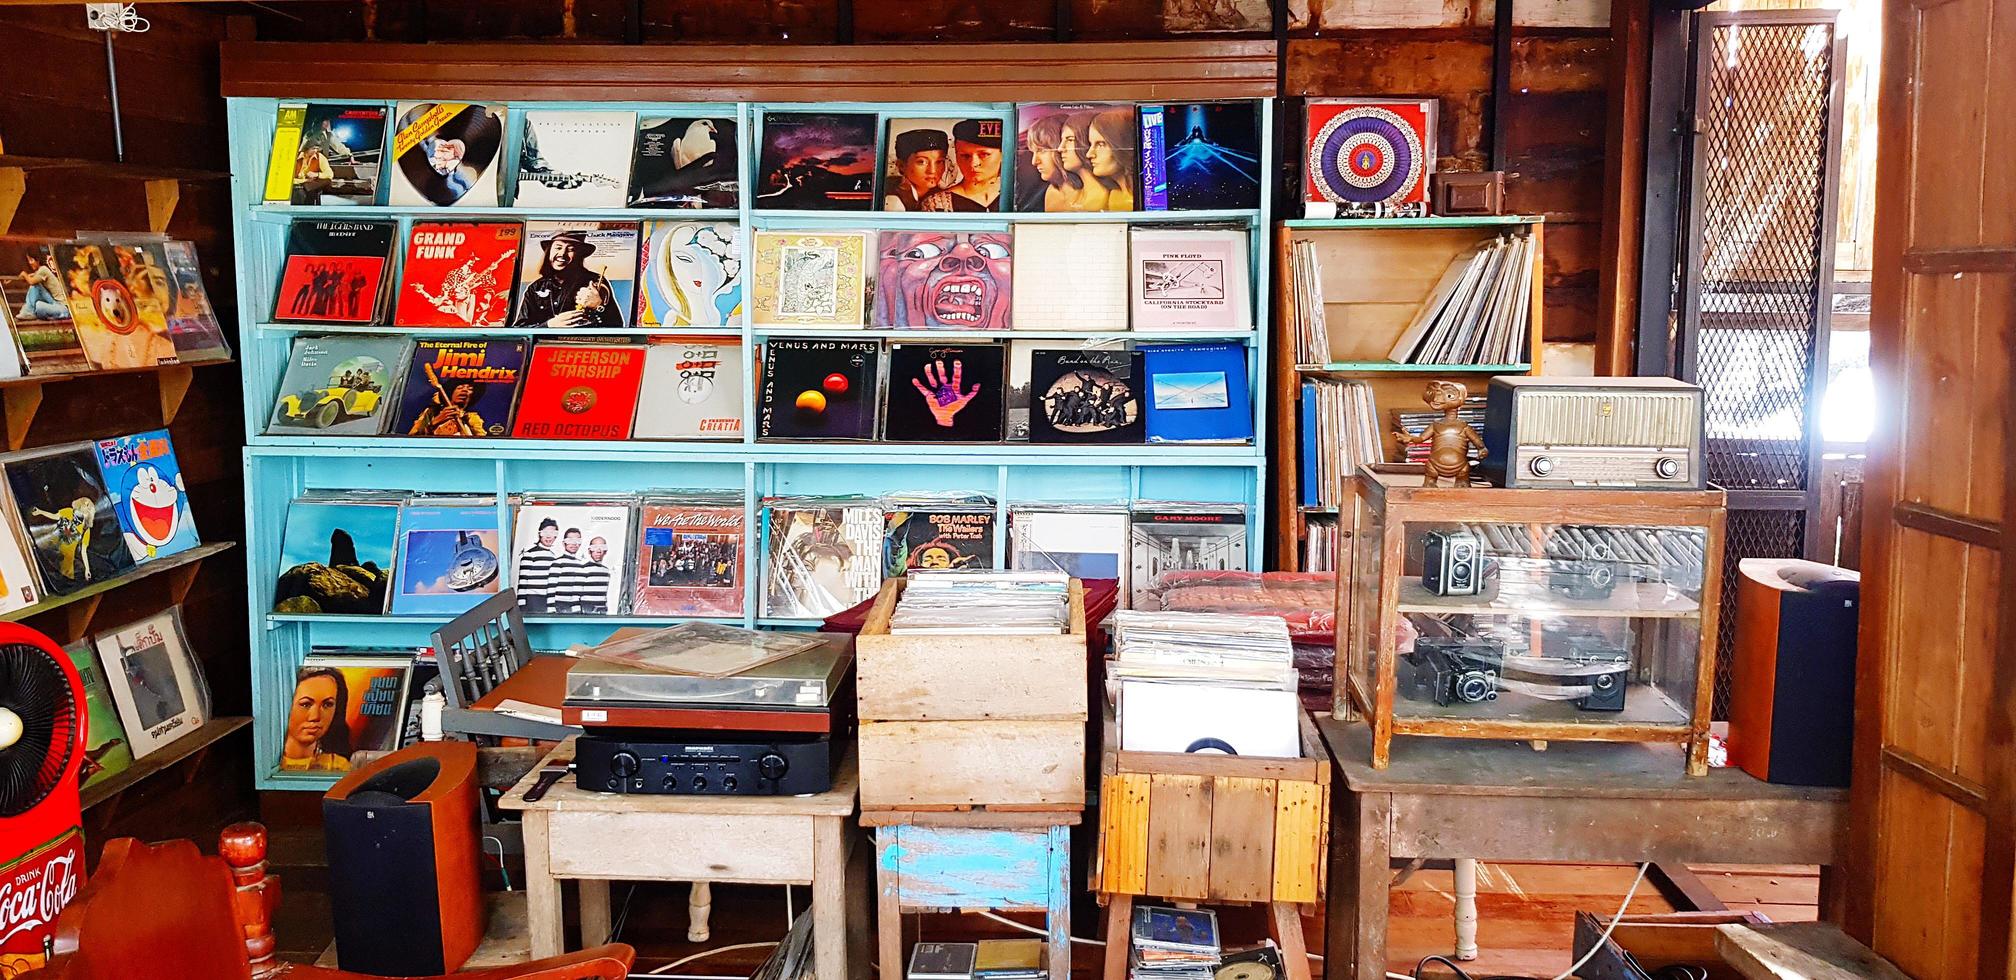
point(701, 763)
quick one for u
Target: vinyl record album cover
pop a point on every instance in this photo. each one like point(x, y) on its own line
point(577, 274)
point(1172, 538)
point(335, 271)
point(1197, 393)
point(462, 388)
point(572, 557)
point(1083, 544)
point(1070, 277)
point(72, 524)
point(1200, 156)
point(819, 389)
point(685, 162)
point(447, 558)
point(458, 274)
point(945, 393)
point(145, 482)
point(934, 537)
point(1076, 156)
point(819, 161)
point(1189, 279)
point(192, 322)
point(38, 299)
point(118, 303)
point(691, 556)
point(336, 556)
point(424, 679)
point(579, 391)
point(155, 680)
point(446, 154)
point(106, 751)
point(1020, 353)
point(339, 385)
point(811, 279)
point(1370, 157)
point(690, 274)
point(692, 389)
point(19, 586)
point(575, 158)
point(337, 156)
point(824, 555)
point(1091, 396)
point(944, 280)
point(342, 705)
point(942, 165)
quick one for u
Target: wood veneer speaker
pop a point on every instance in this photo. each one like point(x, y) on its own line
point(1792, 687)
point(405, 888)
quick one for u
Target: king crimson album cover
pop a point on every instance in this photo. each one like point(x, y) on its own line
point(38, 299)
point(461, 388)
point(691, 555)
point(72, 524)
point(335, 271)
point(685, 162)
point(458, 274)
point(945, 393)
point(944, 280)
point(446, 154)
point(580, 391)
point(819, 389)
point(817, 161)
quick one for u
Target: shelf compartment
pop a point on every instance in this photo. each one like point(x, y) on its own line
point(167, 756)
point(282, 212)
point(1389, 367)
point(1433, 221)
point(990, 454)
point(81, 606)
point(907, 219)
point(1524, 599)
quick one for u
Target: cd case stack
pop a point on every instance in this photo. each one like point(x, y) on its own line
point(1173, 944)
point(1471, 413)
point(983, 603)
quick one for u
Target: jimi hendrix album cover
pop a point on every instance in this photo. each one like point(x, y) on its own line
point(460, 388)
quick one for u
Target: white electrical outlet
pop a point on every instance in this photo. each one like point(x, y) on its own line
point(104, 16)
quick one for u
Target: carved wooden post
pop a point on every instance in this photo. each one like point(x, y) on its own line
point(243, 848)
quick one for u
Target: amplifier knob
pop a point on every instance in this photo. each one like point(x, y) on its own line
point(1541, 465)
point(772, 766)
point(728, 784)
point(624, 764)
point(1667, 467)
point(699, 784)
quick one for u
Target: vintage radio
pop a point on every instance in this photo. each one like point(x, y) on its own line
point(1640, 433)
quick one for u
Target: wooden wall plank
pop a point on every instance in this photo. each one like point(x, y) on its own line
point(1123, 817)
point(1179, 837)
point(1301, 825)
point(1242, 839)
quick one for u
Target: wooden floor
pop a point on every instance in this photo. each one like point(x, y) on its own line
point(1525, 912)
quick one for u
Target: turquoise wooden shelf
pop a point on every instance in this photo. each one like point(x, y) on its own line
point(1388, 367)
point(280, 468)
point(1477, 221)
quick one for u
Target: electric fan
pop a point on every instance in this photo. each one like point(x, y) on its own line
point(42, 714)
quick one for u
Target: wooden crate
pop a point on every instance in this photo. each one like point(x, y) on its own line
point(971, 720)
point(1213, 827)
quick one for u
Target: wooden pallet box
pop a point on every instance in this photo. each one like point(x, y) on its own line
point(971, 720)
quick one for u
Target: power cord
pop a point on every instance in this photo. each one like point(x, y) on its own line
point(1462, 974)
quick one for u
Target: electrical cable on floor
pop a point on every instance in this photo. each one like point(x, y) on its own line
point(1615, 920)
point(661, 971)
point(1032, 929)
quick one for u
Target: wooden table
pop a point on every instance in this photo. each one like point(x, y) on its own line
point(1575, 802)
point(595, 838)
point(970, 860)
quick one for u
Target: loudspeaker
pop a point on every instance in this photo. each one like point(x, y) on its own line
point(1792, 685)
point(405, 889)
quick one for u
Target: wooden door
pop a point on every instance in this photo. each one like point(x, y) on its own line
point(1935, 781)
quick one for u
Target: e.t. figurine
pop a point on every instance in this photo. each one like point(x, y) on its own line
point(1449, 441)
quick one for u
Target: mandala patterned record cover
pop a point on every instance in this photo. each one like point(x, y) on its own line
point(1370, 157)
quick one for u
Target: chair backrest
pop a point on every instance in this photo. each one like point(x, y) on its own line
point(480, 648)
point(164, 905)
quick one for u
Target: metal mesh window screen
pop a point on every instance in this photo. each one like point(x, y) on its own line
point(1749, 534)
point(1764, 100)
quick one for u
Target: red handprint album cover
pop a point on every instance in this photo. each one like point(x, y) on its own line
point(945, 393)
point(458, 274)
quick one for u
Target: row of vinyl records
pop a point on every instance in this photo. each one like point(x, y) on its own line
point(609, 274)
point(685, 553)
point(691, 388)
point(87, 512)
point(1091, 156)
point(1479, 311)
point(103, 303)
point(1340, 432)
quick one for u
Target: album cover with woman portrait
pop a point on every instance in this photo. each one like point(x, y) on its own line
point(819, 389)
point(685, 162)
point(447, 154)
point(71, 522)
point(1091, 396)
point(155, 680)
point(342, 705)
point(1076, 156)
point(447, 557)
point(942, 165)
point(689, 274)
point(945, 393)
point(944, 280)
point(817, 161)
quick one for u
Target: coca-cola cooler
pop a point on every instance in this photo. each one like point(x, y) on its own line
point(42, 738)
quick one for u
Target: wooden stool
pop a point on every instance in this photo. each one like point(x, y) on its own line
point(966, 860)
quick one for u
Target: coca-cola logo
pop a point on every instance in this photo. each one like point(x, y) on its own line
point(35, 891)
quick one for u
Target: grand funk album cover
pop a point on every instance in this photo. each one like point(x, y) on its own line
point(326, 153)
point(1200, 156)
point(579, 391)
point(446, 154)
point(577, 274)
point(690, 274)
point(458, 274)
point(38, 298)
point(945, 393)
point(572, 556)
point(118, 303)
point(685, 162)
point(336, 556)
point(692, 389)
point(811, 279)
point(339, 385)
point(335, 271)
point(821, 161)
point(575, 158)
point(1076, 156)
point(72, 524)
point(1085, 396)
point(447, 557)
point(819, 389)
point(460, 388)
point(944, 280)
point(145, 482)
point(690, 557)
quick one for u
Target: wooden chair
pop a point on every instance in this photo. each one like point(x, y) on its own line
point(477, 651)
point(184, 914)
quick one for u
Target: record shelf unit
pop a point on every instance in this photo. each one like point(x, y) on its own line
point(1374, 273)
point(278, 468)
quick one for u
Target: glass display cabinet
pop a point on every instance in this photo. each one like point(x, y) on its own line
point(1578, 615)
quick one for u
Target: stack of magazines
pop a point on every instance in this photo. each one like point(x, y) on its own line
point(983, 603)
point(1173, 944)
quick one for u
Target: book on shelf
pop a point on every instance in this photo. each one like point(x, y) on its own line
point(107, 752)
point(156, 681)
point(1368, 157)
point(1479, 311)
point(692, 389)
point(689, 274)
point(326, 153)
point(1320, 540)
point(1010, 959)
point(944, 393)
point(1189, 279)
point(942, 961)
point(691, 555)
point(447, 154)
point(572, 555)
point(192, 321)
point(577, 274)
point(685, 162)
point(341, 385)
point(580, 391)
point(575, 158)
point(458, 274)
point(344, 703)
point(1305, 279)
point(944, 280)
point(1070, 277)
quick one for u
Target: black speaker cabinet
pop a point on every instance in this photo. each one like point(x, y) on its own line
point(1792, 685)
point(405, 888)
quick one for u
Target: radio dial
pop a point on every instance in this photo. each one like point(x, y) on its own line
point(624, 764)
point(1667, 467)
point(1541, 465)
point(772, 766)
